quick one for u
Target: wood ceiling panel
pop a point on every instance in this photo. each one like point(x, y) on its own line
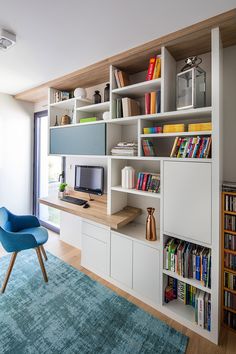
point(195, 39)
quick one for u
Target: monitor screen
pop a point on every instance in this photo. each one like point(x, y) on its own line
point(89, 179)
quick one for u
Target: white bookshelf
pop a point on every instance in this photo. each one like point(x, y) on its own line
point(131, 128)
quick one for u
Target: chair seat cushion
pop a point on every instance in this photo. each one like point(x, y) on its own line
point(40, 234)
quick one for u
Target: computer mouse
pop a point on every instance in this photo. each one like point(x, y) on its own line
point(86, 205)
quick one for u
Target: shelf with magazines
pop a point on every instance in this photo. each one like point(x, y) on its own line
point(229, 255)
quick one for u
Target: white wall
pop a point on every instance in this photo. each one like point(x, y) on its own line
point(16, 150)
point(229, 111)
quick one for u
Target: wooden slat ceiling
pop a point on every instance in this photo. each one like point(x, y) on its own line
point(192, 40)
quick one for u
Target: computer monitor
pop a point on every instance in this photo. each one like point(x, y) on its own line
point(89, 179)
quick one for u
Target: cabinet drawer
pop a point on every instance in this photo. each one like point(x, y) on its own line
point(97, 232)
point(95, 255)
point(146, 271)
point(121, 259)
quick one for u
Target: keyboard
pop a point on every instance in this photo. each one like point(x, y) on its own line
point(74, 200)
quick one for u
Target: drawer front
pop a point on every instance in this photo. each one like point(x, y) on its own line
point(146, 272)
point(97, 232)
point(121, 259)
point(94, 255)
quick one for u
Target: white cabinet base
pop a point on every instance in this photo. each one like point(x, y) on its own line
point(70, 229)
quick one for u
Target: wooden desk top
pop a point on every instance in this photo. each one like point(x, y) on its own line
point(96, 212)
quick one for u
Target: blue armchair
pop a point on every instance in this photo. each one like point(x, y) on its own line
point(18, 233)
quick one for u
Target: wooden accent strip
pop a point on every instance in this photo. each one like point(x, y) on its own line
point(194, 39)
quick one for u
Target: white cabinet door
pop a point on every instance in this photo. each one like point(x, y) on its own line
point(121, 259)
point(146, 272)
point(70, 229)
point(187, 200)
point(94, 255)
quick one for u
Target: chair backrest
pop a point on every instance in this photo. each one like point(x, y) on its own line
point(5, 223)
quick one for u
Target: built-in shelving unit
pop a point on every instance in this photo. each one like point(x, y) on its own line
point(185, 183)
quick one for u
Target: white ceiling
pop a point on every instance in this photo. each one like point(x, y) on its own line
point(56, 37)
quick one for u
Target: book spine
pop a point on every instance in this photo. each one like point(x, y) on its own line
point(151, 67)
point(153, 109)
point(147, 103)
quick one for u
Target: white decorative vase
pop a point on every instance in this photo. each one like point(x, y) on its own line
point(80, 93)
point(127, 177)
point(106, 116)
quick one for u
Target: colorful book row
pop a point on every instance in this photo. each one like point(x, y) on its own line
point(153, 102)
point(188, 260)
point(148, 182)
point(191, 147)
point(189, 295)
point(154, 68)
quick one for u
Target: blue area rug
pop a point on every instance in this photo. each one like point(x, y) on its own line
point(74, 314)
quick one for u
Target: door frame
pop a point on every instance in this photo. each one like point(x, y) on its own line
point(36, 170)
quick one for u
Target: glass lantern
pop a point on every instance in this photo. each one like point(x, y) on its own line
point(191, 85)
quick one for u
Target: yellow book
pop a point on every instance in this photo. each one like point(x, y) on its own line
point(200, 127)
point(157, 69)
point(153, 104)
point(173, 128)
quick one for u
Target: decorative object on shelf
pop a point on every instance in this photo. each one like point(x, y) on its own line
point(191, 85)
point(97, 97)
point(80, 92)
point(62, 189)
point(151, 225)
point(127, 177)
point(65, 120)
point(56, 122)
point(88, 120)
point(107, 93)
point(106, 115)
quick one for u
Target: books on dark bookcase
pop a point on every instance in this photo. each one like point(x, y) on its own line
point(230, 319)
point(230, 281)
point(188, 260)
point(149, 182)
point(154, 68)
point(148, 148)
point(191, 147)
point(122, 78)
point(153, 102)
point(190, 295)
point(230, 203)
point(230, 261)
point(230, 242)
point(230, 300)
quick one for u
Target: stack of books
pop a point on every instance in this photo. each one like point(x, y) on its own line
point(152, 130)
point(230, 261)
point(189, 295)
point(149, 182)
point(188, 260)
point(230, 203)
point(125, 149)
point(154, 68)
point(122, 78)
point(127, 107)
point(197, 127)
point(173, 128)
point(148, 148)
point(230, 281)
point(153, 102)
point(61, 96)
point(230, 300)
point(191, 147)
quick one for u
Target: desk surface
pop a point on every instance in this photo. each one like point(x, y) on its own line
point(96, 212)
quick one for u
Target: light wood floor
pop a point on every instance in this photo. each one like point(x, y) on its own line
point(197, 344)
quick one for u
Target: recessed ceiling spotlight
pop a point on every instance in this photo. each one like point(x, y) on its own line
point(7, 39)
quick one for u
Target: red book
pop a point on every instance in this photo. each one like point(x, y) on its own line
point(151, 68)
point(147, 103)
point(138, 180)
point(145, 181)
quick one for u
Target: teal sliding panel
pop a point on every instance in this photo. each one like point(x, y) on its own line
point(79, 140)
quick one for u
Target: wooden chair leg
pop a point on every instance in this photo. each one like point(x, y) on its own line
point(41, 264)
point(11, 265)
point(44, 252)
